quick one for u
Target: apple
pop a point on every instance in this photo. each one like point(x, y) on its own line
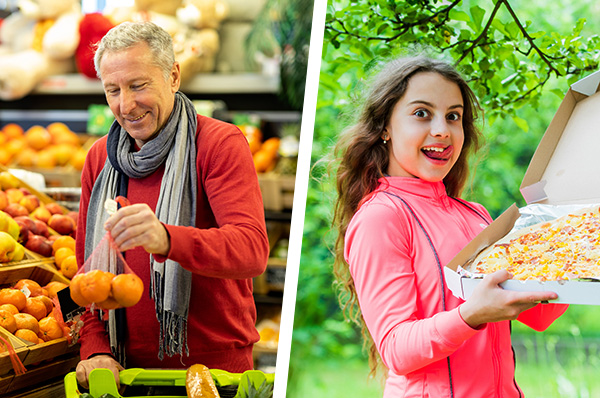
point(30, 202)
point(39, 244)
point(14, 195)
point(7, 247)
point(7, 180)
point(42, 228)
point(74, 215)
point(18, 254)
point(42, 214)
point(62, 224)
point(3, 200)
point(24, 230)
point(29, 222)
point(16, 210)
point(25, 191)
point(9, 225)
point(54, 208)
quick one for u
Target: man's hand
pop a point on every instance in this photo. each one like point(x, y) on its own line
point(99, 361)
point(137, 225)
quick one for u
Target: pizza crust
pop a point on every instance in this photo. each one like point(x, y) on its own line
point(565, 248)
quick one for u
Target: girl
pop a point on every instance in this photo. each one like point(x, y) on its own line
point(399, 218)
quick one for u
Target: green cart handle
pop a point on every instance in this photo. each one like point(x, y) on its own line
point(102, 380)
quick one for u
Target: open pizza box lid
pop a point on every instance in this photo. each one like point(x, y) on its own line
point(565, 169)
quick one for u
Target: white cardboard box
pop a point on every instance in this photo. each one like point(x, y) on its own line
point(565, 169)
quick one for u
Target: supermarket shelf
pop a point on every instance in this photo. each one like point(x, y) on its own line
point(208, 83)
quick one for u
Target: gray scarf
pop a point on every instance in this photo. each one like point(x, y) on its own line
point(175, 147)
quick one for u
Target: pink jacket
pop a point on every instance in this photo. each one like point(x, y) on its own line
point(411, 315)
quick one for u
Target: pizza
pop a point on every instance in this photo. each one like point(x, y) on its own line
point(562, 249)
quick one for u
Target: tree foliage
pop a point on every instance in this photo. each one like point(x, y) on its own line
point(519, 57)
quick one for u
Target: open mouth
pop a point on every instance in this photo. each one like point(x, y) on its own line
point(138, 118)
point(437, 153)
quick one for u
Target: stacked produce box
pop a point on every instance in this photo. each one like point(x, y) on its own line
point(37, 259)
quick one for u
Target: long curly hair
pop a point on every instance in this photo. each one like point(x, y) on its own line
point(363, 158)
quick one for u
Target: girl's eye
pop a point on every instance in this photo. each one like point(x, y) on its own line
point(421, 113)
point(454, 117)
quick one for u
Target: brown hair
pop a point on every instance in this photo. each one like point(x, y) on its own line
point(363, 159)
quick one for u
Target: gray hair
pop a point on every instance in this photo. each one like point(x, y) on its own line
point(129, 34)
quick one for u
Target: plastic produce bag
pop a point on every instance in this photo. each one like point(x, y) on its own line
point(105, 281)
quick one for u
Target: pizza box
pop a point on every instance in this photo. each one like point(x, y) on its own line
point(563, 170)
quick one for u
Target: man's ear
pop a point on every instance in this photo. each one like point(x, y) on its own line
point(175, 77)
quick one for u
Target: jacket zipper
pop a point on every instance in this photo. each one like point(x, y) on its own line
point(496, 361)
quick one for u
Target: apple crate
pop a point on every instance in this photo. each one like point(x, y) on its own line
point(277, 190)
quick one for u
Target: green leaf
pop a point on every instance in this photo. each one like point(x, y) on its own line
point(458, 15)
point(478, 13)
point(521, 123)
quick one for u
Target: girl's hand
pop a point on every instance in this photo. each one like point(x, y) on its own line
point(490, 303)
point(137, 225)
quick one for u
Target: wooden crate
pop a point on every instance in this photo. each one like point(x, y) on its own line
point(6, 367)
point(277, 190)
point(41, 271)
point(36, 375)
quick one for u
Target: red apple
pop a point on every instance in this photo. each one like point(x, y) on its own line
point(74, 215)
point(30, 202)
point(54, 208)
point(16, 210)
point(42, 228)
point(14, 195)
point(29, 222)
point(42, 214)
point(24, 231)
point(62, 224)
point(40, 245)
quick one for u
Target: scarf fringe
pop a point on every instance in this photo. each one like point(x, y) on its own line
point(172, 327)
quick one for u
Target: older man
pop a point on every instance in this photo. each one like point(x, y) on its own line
point(195, 230)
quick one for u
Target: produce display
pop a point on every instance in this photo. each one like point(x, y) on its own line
point(54, 145)
point(26, 222)
point(27, 311)
point(562, 249)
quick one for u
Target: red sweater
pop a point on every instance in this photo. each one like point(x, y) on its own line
point(224, 251)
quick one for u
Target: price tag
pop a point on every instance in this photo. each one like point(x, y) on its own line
point(110, 206)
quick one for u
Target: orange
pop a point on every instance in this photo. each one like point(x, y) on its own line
point(45, 159)
point(10, 308)
point(69, 266)
point(95, 285)
point(37, 137)
point(127, 289)
point(61, 253)
point(47, 301)
point(64, 241)
point(7, 321)
point(27, 321)
point(34, 288)
point(27, 157)
point(15, 146)
point(76, 291)
point(27, 334)
point(12, 130)
point(14, 297)
point(50, 329)
point(271, 146)
point(54, 287)
point(262, 160)
point(35, 308)
point(109, 304)
point(78, 159)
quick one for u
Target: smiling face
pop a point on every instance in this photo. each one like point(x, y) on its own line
point(137, 92)
point(425, 129)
